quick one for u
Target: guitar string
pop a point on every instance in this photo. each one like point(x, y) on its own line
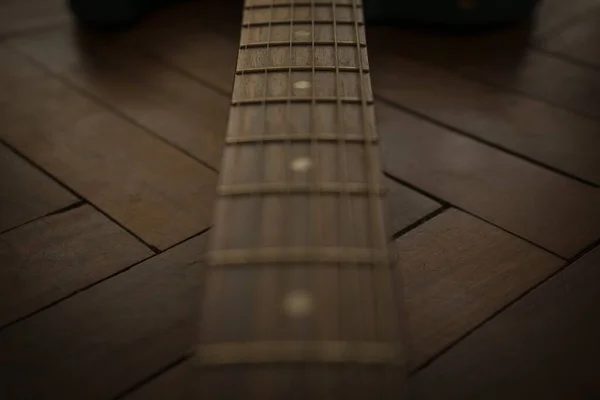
point(260, 274)
point(289, 159)
point(348, 236)
point(378, 234)
point(318, 198)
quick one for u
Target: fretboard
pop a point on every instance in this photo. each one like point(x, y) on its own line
point(299, 298)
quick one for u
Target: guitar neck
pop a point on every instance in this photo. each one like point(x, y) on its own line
point(299, 296)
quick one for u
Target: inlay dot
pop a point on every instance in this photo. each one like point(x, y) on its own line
point(301, 164)
point(302, 34)
point(298, 303)
point(302, 85)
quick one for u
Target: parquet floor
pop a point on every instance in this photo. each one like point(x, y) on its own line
point(109, 153)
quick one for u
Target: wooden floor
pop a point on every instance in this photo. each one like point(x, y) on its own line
point(109, 154)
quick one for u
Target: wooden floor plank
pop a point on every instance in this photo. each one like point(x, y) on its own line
point(542, 347)
point(538, 131)
point(555, 212)
point(53, 257)
point(201, 41)
point(171, 384)
point(578, 40)
point(190, 36)
point(174, 106)
point(456, 271)
point(20, 15)
point(108, 338)
point(553, 14)
point(406, 206)
point(26, 192)
point(503, 58)
point(154, 190)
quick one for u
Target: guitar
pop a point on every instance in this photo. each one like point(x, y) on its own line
point(299, 299)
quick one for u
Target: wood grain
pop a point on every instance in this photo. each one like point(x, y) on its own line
point(551, 15)
point(555, 212)
point(171, 384)
point(543, 346)
point(26, 192)
point(154, 190)
point(544, 133)
point(503, 58)
point(57, 255)
point(578, 40)
point(406, 206)
point(179, 109)
point(19, 15)
point(106, 339)
point(190, 37)
point(456, 271)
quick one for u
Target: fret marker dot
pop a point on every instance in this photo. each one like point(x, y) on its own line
point(298, 303)
point(302, 85)
point(301, 164)
point(302, 34)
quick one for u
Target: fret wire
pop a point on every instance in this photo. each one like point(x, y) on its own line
point(305, 21)
point(299, 137)
point(271, 100)
point(299, 4)
point(342, 43)
point(309, 257)
point(339, 188)
point(328, 352)
point(324, 68)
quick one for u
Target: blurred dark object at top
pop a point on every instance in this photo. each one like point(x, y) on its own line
point(449, 12)
point(115, 14)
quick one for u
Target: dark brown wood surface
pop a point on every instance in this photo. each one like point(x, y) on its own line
point(130, 335)
point(578, 41)
point(26, 192)
point(143, 320)
point(18, 16)
point(116, 165)
point(553, 15)
point(548, 209)
point(477, 267)
point(543, 346)
point(528, 127)
point(41, 261)
point(506, 59)
point(180, 110)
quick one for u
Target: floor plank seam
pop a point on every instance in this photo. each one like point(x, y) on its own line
point(505, 89)
point(70, 190)
point(70, 207)
point(542, 36)
point(416, 188)
point(107, 106)
point(86, 287)
point(448, 205)
point(566, 265)
point(539, 246)
point(567, 58)
point(448, 347)
point(187, 74)
point(33, 30)
point(156, 374)
point(484, 141)
point(420, 221)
